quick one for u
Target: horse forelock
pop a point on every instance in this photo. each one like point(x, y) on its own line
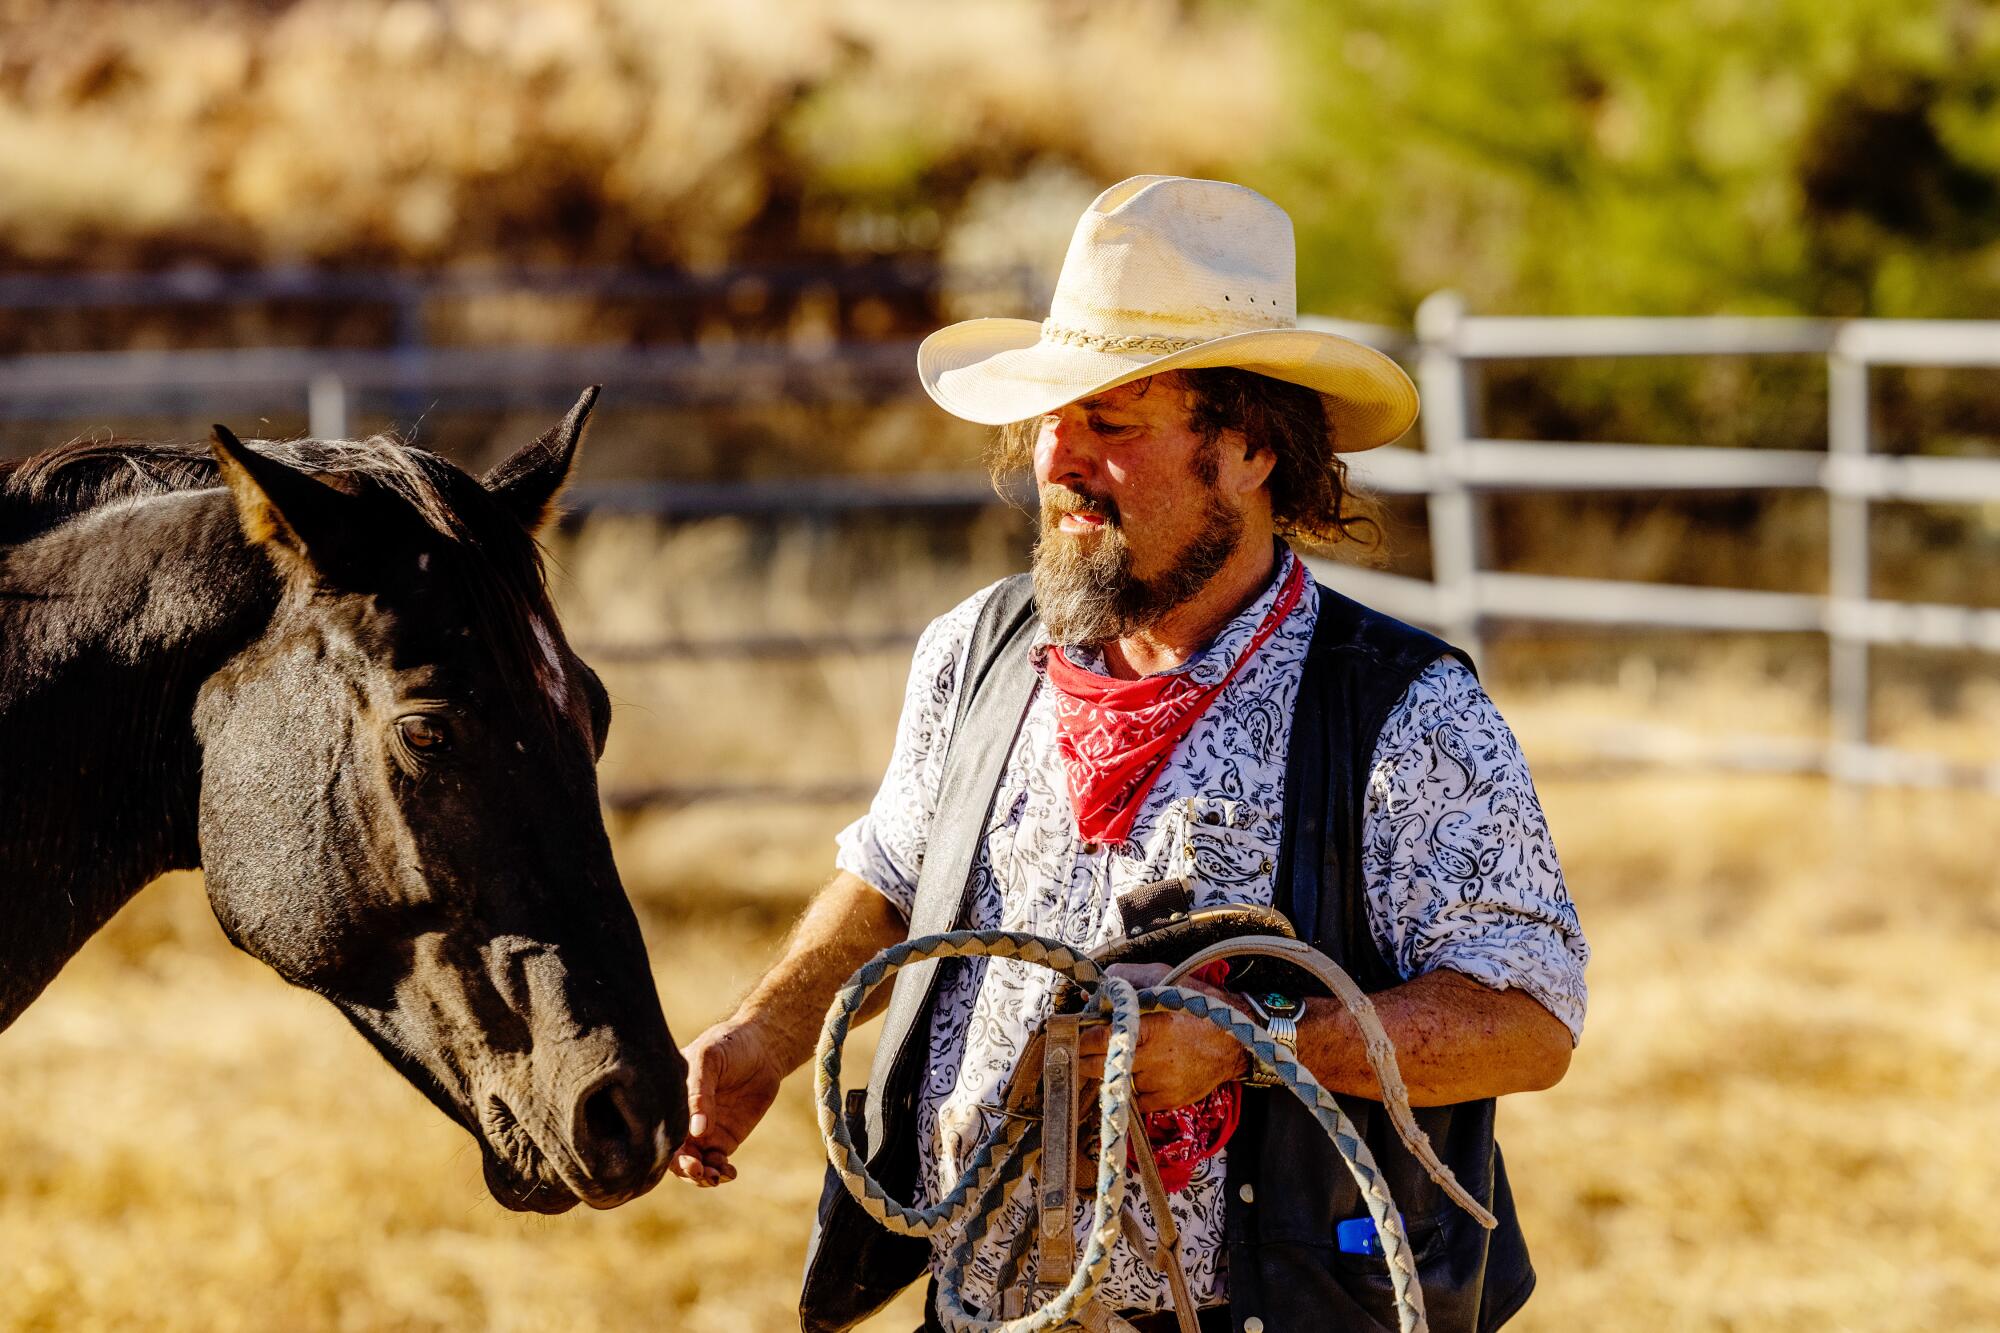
point(513, 616)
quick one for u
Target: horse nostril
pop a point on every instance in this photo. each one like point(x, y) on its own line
point(604, 1118)
point(614, 1139)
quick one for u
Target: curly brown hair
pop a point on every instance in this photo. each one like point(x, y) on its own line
point(1311, 501)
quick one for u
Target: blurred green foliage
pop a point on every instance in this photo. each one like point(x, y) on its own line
point(1834, 157)
point(1828, 157)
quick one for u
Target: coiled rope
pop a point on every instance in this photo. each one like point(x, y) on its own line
point(1002, 1158)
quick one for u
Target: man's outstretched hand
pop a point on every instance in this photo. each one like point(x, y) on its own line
point(735, 1067)
point(733, 1078)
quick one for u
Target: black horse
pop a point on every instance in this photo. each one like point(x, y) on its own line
point(327, 674)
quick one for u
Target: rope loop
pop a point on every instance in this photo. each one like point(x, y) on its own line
point(998, 1166)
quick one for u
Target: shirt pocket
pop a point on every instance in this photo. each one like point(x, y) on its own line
point(1015, 892)
point(1226, 849)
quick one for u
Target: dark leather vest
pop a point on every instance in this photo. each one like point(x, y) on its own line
point(1285, 1268)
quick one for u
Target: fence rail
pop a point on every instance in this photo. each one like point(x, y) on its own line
point(792, 495)
point(1456, 466)
point(327, 382)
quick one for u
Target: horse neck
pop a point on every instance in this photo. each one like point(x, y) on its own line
point(109, 625)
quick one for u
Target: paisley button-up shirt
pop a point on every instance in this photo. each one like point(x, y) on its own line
point(1458, 867)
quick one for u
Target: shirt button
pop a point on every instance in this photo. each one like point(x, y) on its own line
point(1248, 1193)
point(1253, 1325)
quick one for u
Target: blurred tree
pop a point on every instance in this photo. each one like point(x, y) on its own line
point(1754, 156)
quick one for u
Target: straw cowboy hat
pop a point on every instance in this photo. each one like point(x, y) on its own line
point(1167, 273)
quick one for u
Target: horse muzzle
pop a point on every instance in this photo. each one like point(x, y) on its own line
point(605, 1141)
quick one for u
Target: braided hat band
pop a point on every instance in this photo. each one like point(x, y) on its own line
point(1112, 342)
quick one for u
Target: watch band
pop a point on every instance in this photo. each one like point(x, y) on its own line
point(1276, 1013)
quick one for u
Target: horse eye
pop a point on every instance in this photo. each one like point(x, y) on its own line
point(422, 733)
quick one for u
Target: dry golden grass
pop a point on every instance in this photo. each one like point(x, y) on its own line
point(1780, 1118)
point(188, 1144)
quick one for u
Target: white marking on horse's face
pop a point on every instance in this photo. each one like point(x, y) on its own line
point(554, 683)
point(423, 562)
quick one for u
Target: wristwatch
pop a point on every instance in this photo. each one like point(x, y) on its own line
point(1279, 1014)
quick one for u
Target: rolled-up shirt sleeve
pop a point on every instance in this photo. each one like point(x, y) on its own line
point(885, 847)
point(1459, 867)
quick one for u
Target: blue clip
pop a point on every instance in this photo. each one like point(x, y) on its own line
point(1357, 1235)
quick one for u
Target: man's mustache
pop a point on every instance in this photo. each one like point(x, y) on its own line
point(1060, 500)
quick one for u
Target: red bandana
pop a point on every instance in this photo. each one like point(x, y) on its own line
point(1115, 735)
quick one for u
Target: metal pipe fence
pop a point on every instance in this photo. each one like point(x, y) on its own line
point(1457, 465)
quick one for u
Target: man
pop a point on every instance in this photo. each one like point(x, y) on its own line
point(1196, 702)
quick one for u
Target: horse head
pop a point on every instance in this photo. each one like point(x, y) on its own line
point(398, 809)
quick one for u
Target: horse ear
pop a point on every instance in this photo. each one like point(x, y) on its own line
point(527, 484)
point(283, 509)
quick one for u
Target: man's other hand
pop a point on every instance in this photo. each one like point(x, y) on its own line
point(1181, 1058)
point(733, 1078)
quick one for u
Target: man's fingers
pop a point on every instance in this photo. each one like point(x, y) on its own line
point(707, 1169)
point(693, 1164)
point(703, 1156)
point(1143, 975)
point(705, 1066)
point(715, 1173)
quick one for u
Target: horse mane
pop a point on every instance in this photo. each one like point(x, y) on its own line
point(506, 580)
point(45, 490)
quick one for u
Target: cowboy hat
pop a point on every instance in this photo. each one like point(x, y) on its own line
point(1167, 273)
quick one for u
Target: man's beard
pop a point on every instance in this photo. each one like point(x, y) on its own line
point(1085, 590)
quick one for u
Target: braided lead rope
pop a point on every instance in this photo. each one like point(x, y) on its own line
point(1117, 1100)
point(1014, 1263)
point(1276, 1058)
point(1116, 999)
point(1381, 1052)
point(991, 1155)
point(1003, 1154)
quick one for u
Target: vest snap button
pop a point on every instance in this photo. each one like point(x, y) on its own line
point(1253, 1325)
point(1248, 1193)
